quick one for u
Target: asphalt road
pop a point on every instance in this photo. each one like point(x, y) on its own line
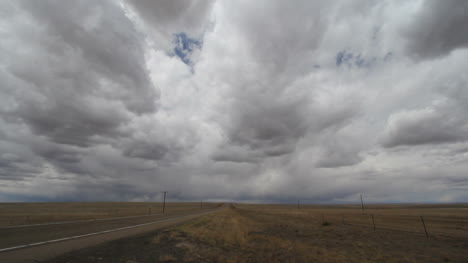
point(35, 234)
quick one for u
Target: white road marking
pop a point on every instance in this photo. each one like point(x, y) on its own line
point(93, 234)
point(76, 221)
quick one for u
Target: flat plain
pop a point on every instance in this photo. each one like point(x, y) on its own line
point(308, 233)
point(15, 214)
point(439, 219)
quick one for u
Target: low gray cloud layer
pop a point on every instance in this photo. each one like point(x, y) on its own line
point(221, 100)
point(439, 28)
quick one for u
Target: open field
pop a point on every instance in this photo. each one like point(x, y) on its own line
point(13, 214)
point(439, 219)
point(256, 233)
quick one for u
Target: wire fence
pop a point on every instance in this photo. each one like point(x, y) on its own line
point(429, 225)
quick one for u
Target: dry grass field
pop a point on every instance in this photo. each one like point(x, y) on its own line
point(12, 214)
point(277, 233)
point(440, 219)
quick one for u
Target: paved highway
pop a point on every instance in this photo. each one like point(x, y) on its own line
point(35, 243)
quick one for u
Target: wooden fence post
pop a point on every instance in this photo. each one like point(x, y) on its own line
point(424, 225)
point(342, 219)
point(373, 221)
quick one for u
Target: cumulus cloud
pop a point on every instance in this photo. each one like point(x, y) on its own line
point(338, 156)
point(75, 78)
point(79, 82)
point(222, 100)
point(424, 126)
point(171, 17)
point(442, 121)
point(438, 28)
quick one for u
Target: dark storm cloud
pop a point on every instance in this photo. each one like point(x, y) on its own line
point(12, 167)
point(270, 111)
point(103, 39)
point(237, 154)
point(444, 122)
point(438, 28)
point(78, 79)
point(89, 73)
point(170, 17)
point(338, 156)
point(146, 151)
point(424, 127)
point(63, 157)
point(157, 148)
point(71, 122)
point(269, 123)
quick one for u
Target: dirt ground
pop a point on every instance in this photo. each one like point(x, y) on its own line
point(247, 235)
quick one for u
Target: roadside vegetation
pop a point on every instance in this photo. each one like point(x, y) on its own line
point(249, 235)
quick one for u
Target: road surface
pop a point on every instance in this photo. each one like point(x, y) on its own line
point(68, 237)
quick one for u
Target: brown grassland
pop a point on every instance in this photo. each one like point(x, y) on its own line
point(12, 214)
point(280, 233)
point(440, 219)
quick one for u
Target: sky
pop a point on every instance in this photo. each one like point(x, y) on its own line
point(246, 101)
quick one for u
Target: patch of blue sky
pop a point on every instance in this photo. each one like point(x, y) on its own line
point(347, 58)
point(184, 47)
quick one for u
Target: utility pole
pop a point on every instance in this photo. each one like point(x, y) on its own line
point(362, 205)
point(164, 203)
